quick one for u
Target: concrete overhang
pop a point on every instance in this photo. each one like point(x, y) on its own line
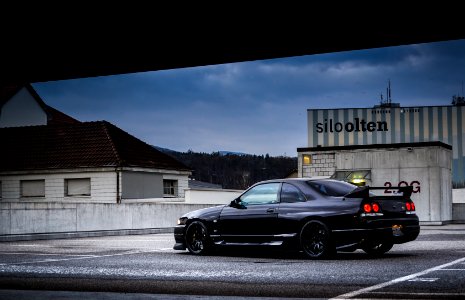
point(48, 45)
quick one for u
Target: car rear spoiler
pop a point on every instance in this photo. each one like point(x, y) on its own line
point(364, 191)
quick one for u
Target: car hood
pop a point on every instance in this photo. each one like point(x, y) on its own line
point(205, 213)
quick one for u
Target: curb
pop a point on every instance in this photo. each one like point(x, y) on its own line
point(82, 234)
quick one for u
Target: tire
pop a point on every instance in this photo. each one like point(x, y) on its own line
point(315, 240)
point(377, 248)
point(198, 240)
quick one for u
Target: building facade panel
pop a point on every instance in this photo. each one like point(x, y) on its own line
point(140, 185)
point(385, 125)
point(103, 187)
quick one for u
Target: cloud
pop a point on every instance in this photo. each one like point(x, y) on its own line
point(260, 106)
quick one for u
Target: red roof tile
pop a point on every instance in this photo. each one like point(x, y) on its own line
point(55, 117)
point(79, 145)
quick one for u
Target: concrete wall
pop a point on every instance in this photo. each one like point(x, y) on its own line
point(210, 196)
point(29, 218)
point(427, 169)
point(458, 205)
point(458, 212)
point(22, 110)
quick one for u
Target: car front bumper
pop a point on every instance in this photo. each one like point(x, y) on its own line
point(180, 241)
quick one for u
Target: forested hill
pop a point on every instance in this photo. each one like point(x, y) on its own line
point(234, 171)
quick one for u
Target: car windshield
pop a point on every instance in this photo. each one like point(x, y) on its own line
point(332, 188)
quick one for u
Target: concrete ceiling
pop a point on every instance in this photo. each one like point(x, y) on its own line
point(68, 47)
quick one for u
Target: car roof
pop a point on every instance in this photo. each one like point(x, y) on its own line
point(300, 179)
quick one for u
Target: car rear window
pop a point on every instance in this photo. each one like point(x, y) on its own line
point(332, 188)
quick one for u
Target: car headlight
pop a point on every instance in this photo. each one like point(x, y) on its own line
point(182, 221)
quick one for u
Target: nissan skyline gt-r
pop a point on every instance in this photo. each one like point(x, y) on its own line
point(317, 216)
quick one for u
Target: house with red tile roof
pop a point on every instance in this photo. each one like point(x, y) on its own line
point(47, 156)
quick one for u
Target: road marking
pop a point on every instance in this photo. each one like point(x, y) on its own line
point(452, 270)
point(409, 295)
point(78, 258)
point(31, 245)
point(397, 280)
point(422, 279)
point(50, 254)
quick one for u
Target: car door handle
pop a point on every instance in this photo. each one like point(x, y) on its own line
point(270, 210)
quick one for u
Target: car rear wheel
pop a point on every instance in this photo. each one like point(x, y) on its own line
point(197, 238)
point(377, 248)
point(316, 241)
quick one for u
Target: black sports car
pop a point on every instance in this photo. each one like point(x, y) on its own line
point(319, 216)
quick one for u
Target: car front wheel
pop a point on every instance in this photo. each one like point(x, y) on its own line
point(377, 248)
point(315, 240)
point(197, 238)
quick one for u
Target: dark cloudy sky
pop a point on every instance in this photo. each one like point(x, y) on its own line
point(259, 107)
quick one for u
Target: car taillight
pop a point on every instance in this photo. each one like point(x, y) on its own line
point(410, 207)
point(367, 208)
point(371, 209)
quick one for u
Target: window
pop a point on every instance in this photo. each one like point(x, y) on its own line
point(290, 193)
point(261, 194)
point(357, 177)
point(307, 159)
point(77, 187)
point(32, 188)
point(170, 188)
point(331, 187)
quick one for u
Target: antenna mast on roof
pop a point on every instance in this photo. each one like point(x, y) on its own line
point(387, 102)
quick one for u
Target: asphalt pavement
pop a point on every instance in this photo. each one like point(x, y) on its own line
point(146, 267)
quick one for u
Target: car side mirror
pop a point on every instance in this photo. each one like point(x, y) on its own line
point(236, 203)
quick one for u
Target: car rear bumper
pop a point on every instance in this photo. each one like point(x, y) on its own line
point(396, 234)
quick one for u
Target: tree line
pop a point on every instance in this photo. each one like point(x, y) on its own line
point(233, 171)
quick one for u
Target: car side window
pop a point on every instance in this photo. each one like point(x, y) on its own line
point(261, 194)
point(290, 194)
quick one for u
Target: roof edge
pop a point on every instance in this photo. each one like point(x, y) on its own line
point(374, 146)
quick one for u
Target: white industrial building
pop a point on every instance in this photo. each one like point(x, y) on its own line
point(391, 146)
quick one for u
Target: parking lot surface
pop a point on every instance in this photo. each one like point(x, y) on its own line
point(146, 267)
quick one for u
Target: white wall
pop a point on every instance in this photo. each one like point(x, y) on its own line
point(211, 196)
point(458, 196)
point(22, 110)
point(182, 182)
point(103, 187)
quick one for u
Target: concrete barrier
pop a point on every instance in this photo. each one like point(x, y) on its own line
point(211, 196)
point(50, 218)
point(458, 210)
